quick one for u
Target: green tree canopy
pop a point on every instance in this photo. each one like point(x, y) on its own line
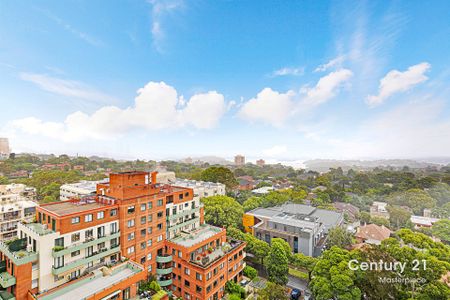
point(220, 174)
point(277, 263)
point(339, 237)
point(222, 211)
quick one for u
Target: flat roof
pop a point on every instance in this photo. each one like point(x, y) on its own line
point(196, 236)
point(68, 207)
point(90, 286)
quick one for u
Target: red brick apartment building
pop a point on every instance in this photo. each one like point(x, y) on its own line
point(101, 247)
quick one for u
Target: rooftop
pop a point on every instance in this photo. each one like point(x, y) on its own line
point(85, 184)
point(204, 232)
point(38, 228)
point(373, 232)
point(71, 207)
point(425, 221)
point(99, 281)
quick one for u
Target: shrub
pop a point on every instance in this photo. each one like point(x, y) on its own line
point(250, 272)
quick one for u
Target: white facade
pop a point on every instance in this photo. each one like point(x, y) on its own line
point(78, 189)
point(201, 188)
point(78, 251)
point(182, 217)
point(4, 148)
point(15, 206)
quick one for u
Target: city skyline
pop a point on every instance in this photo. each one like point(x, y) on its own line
point(172, 79)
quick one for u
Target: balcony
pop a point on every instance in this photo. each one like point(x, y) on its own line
point(164, 271)
point(205, 258)
point(163, 258)
point(164, 282)
point(83, 245)
point(7, 280)
point(183, 213)
point(84, 261)
point(16, 251)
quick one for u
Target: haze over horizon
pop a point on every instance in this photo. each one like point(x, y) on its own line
point(171, 79)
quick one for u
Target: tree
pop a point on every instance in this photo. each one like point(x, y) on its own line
point(332, 278)
point(3, 180)
point(364, 217)
point(339, 237)
point(273, 291)
point(222, 211)
point(416, 199)
point(399, 217)
point(277, 263)
point(379, 221)
point(220, 174)
point(441, 229)
point(234, 288)
point(250, 272)
point(252, 203)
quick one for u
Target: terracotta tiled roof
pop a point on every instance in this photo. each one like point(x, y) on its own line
point(373, 232)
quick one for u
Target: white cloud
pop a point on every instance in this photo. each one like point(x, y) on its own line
point(155, 108)
point(275, 108)
point(396, 81)
point(275, 150)
point(268, 106)
point(66, 26)
point(335, 62)
point(288, 71)
point(327, 87)
point(65, 87)
point(160, 8)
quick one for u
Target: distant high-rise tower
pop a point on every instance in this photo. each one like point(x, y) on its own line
point(260, 162)
point(239, 160)
point(4, 148)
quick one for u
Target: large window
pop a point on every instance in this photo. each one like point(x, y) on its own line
point(113, 212)
point(143, 207)
point(130, 223)
point(130, 209)
point(75, 237)
point(59, 242)
point(100, 231)
point(100, 215)
point(88, 218)
point(159, 202)
point(75, 220)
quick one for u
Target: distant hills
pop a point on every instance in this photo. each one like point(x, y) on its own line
point(322, 165)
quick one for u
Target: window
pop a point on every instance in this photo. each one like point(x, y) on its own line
point(159, 226)
point(150, 205)
point(130, 223)
point(34, 265)
point(187, 271)
point(131, 236)
point(89, 234)
point(198, 289)
point(160, 238)
point(100, 231)
point(187, 283)
point(59, 262)
point(143, 245)
point(149, 256)
point(143, 232)
point(180, 196)
point(143, 260)
point(113, 212)
point(88, 218)
point(101, 245)
point(75, 253)
point(75, 237)
point(150, 218)
point(113, 228)
point(34, 283)
point(149, 243)
point(143, 220)
point(130, 250)
point(59, 242)
point(100, 215)
point(160, 214)
point(179, 252)
point(143, 206)
point(159, 202)
point(130, 209)
point(149, 230)
point(198, 276)
point(75, 220)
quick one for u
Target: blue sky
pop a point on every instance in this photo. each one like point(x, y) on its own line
point(280, 80)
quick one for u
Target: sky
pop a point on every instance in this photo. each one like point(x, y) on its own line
point(278, 80)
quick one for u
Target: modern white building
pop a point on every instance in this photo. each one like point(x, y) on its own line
point(201, 188)
point(4, 148)
point(78, 189)
point(16, 205)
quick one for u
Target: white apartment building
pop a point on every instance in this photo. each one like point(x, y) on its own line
point(202, 188)
point(78, 189)
point(15, 206)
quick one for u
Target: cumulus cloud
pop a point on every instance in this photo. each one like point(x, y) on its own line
point(288, 71)
point(268, 106)
point(335, 62)
point(275, 150)
point(155, 108)
point(64, 87)
point(396, 81)
point(327, 87)
point(272, 107)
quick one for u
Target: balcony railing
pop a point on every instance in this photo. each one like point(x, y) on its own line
point(83, 245)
